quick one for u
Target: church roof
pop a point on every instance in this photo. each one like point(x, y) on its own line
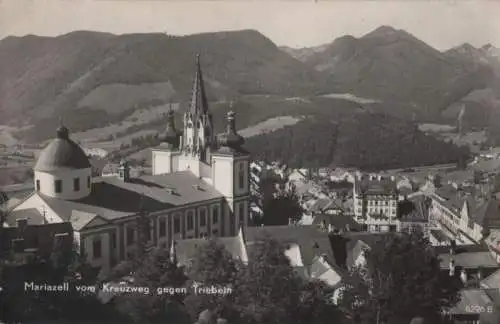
point(157, 193)
point(62, 153)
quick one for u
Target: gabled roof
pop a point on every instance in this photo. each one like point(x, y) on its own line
point(337, 221)
point(417, 209)
point(323, 204)
point(186, 249)
point(322, 270)
point(492, 281)
point(469, 260)
point(309, 238)
point(155, 193)
point(33, 216)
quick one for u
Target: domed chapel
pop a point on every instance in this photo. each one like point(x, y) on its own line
point(199, 187)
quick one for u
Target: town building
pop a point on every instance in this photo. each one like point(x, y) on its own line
point(25, 241)
point(413, 214)
point(466, 215)
point(199, 187)
point(375, 203)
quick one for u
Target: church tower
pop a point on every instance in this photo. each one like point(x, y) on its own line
point(199, 136)
point(230, 175)
point(166, 156)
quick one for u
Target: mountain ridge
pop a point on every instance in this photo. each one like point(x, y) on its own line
point(43, 77)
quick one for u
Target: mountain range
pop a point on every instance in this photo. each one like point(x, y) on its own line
point(92, 79)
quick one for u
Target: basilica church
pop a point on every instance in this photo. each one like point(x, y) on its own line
point(199, 187)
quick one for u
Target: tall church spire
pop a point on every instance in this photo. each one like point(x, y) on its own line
point(199, 104)
point(199, 134)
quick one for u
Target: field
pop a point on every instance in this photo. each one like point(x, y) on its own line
point(436, 128)
point(115, 98)
point(350, 97)
point(269, 125)
point(139, 117)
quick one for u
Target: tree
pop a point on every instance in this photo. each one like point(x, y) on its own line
point(57, 268)
point(267, 290)
point(315, 305)
point(212, 265)
point(156, 270)
point(283, 207)
point(402, 279)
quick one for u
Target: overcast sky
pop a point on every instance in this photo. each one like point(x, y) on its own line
point(297, 23)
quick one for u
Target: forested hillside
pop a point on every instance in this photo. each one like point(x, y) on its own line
point(367, 141)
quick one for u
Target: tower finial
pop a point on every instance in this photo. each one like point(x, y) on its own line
point(62, 131)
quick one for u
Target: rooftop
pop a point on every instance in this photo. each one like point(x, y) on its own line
point(186, 249)
point(337, 221)
point(383, 186)
point(153, 193)
point(309, 238)
point(62, 153)
point(469, 260)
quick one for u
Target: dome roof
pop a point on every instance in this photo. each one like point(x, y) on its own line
point(231, 139)
point(62, 153)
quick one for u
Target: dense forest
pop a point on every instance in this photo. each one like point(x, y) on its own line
point(366, 140)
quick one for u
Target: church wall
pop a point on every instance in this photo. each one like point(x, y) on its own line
point(205, 171)
point(187, 162)
point(43, 208)
point(102, 260)
point(47, 183)
point(164, 162)
point(222, 175)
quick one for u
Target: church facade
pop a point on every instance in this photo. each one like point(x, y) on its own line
point(199, 187)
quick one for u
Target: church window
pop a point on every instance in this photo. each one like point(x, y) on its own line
point(177, 225)
point(76, 184)
point(242, 213)
point(88, 182)
point(37, 185)
point(215, 214)
point(190, 220)
point(97, 248)
point(241, 176)
point(203, 217)
point(58, 186)
point(163, 227)
point(113, 240)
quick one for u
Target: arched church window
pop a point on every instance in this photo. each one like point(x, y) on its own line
point(199, 124)
point(58, 186)
point(189, 125)
point(241, 175)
